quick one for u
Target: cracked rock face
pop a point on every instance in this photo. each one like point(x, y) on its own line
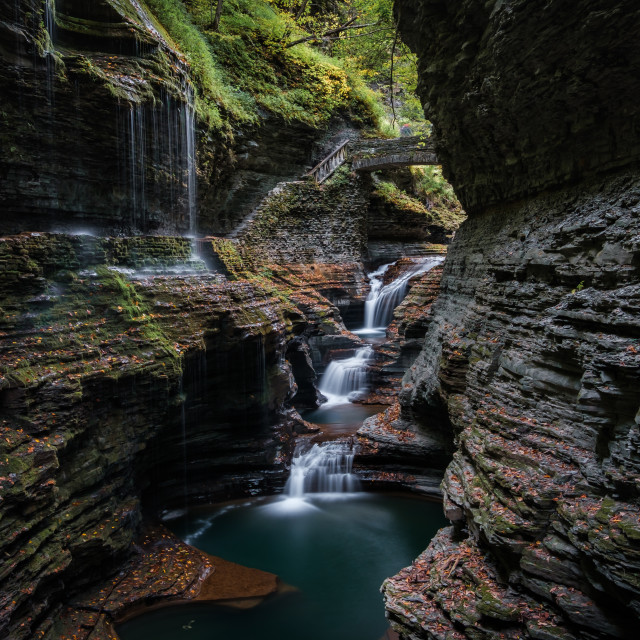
point(103, 379)
point(533, 360)
point(532, 357)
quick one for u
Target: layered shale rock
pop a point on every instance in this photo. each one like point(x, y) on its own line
point(532, 358)
point(97, 116)
point(524, 97)
point(109, 375)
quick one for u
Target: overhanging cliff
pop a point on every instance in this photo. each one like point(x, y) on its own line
point(525, 96)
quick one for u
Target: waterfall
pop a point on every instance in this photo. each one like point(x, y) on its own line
point(325, 468)
point(190, 138)
point(376, 278)
point(343, 378)
point(159, 135)
point(49, 50)
point(50, 22)
point(137, 148)
point(382, 300)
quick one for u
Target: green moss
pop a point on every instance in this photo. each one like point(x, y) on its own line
point(132, 309)
point(245, 66)
point(227, 251)
point(492, 606)
point(442, 211)
point(214, 93)
point(399, 199)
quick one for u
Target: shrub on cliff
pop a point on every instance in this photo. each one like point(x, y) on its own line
point(245, 65)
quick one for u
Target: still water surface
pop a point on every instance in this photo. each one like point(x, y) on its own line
point(335, 549)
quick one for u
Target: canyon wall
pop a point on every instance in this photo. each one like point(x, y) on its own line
point(129, 377)
point(532, 357)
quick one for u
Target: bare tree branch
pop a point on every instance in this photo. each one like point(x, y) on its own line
point(300, 11)
point(332, 32)
point(358, 35)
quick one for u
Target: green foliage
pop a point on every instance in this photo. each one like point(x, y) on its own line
point(245, 66)
point(214, 89)
point(399, 198)
point(432, 196)
point(370, 52)
point(430, 185)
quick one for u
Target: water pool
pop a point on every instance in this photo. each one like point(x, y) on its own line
point(335, 549)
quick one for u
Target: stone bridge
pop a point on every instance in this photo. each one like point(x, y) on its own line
point(371, 155)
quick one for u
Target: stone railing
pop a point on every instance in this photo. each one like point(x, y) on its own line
point(335, 159)
point(370, 155)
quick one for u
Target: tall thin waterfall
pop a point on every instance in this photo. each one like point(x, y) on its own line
point(325, 468)
point(50, 22)
point(190, 136)
point(137, 159)
point(161, 135)
point(382, 300)
point(345, 377)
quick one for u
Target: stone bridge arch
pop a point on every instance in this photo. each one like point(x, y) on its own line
point(371, 155)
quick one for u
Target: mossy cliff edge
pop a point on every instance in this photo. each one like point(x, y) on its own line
point(116, 112)
point(103, 376)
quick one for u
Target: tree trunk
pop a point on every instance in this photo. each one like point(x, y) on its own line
point(216, 19)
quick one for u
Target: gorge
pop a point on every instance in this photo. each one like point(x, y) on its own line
point(178, 301)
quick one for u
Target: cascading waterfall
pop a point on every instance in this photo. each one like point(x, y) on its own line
point(325, 468)
point(376, 278)
point(382, 300)
point(344, 378)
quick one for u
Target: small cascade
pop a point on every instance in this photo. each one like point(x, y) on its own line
point(50, 22)
point(325, 468)
point(382, 300)
point(344, 378)
point(376, 278)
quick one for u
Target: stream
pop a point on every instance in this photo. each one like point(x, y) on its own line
point(331, 542)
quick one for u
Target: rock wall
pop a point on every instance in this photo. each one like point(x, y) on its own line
point(100, 131)
point(531, 359)
point(302, 222)
point(96, 120)
point(106, 371)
